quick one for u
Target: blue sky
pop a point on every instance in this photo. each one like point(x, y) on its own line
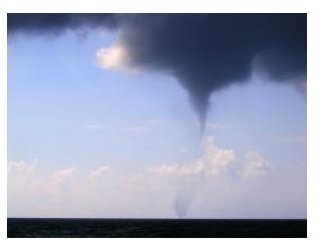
point(71, 115)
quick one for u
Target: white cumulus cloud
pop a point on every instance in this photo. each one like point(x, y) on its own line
point(253, 165)
point(103, 170)
point(203, 187)
point(213, 161)
point(61, 175)
point(21, 166)
point(115, 57)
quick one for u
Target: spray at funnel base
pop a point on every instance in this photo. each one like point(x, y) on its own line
point(186, 191)
point(181, 207)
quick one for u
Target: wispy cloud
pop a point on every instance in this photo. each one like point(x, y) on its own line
point(94, 126)
point(144, 126)
point(214, 125)
point(139, 128)
point(288, 138)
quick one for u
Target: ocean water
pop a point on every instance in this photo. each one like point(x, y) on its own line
point(154, 228)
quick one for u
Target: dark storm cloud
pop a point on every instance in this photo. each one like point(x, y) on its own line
point(205, 52)
point(42, 23)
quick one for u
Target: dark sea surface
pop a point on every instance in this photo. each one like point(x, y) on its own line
point(155, 228)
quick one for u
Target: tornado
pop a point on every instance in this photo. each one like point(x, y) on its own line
point(205, 53)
